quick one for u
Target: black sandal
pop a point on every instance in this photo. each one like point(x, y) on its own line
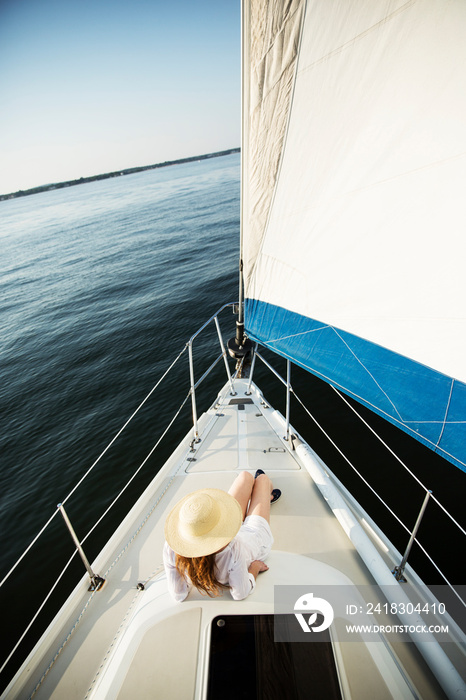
point(276, 493)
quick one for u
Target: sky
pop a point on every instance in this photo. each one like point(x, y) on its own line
point(93, 86)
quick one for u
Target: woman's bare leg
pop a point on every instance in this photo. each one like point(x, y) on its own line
point(241, 489)
point(260, 498)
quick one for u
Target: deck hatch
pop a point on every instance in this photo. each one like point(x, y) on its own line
point(267, 669)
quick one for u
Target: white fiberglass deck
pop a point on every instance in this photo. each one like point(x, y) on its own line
point(139, 643)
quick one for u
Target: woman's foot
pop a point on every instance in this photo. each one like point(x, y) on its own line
point(276, 493)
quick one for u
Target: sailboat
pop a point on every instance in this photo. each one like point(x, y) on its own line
point(353, 161)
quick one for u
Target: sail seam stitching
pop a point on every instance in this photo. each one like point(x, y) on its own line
point(407, 173)
point(369, 373)
point(446, 412)
point(358, 37)
point(443, 422)
point(296, 335)
point(270, 343)
point(370, 405)
point(436, 422)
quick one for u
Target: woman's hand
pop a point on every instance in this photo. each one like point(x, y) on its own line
point(257, 567)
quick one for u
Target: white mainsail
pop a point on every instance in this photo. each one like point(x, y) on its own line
point(353, 220)
point(309, 215)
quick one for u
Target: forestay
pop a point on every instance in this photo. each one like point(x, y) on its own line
point(354, 166)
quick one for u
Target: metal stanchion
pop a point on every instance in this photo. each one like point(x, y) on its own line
point(224, 352)
point(193, 395)
point(398, 570)
point(96, 581)
point(288, 389)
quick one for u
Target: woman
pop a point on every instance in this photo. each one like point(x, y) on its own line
point(217, 540)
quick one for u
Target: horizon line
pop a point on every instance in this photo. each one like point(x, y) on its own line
point(114, 173)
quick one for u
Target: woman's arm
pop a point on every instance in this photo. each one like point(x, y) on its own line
point(257, 567)
point(243, 581)
point(178, 587)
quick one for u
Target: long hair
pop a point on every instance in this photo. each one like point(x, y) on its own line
point(201, 572)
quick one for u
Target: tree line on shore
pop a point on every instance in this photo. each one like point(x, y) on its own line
point(116, 173)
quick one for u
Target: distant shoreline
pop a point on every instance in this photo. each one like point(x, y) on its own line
point(116, 173)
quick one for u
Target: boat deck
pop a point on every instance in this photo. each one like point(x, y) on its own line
point(125, 642)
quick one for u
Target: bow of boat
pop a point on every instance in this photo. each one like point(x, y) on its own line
point(131, 638)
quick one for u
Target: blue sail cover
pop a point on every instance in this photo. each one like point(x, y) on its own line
point(424, 403)
point(353, 221)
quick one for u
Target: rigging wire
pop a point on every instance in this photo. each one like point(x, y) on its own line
point(139, 468)
point(155, 447)
point(60, 576)
point(349, 462)
point(92, 467)
point(398, 459)
point(42, 530)
point(57, 580)
point(377, 495)
point(125, 425)
point(440, 571)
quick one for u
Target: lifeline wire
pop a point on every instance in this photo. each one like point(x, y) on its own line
point(376, 494)
point(121, 429)
point(90, 468)
point(38, 610)
point(399, 459)
point(139, 468)
point(349, 462)
point(60, 576)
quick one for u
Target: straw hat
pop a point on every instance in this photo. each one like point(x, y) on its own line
point(203, 522)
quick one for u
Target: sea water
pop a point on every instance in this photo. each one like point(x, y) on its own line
point(101, 286)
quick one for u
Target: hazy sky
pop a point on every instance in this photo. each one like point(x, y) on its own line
point(91, 86)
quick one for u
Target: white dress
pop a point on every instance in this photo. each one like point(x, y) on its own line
point(253, 541)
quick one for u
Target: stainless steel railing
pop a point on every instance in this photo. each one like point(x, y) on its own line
point(96, 581)
point(94, 578)
point(398, 571)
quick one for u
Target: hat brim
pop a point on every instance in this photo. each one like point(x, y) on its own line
point(228, 525)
